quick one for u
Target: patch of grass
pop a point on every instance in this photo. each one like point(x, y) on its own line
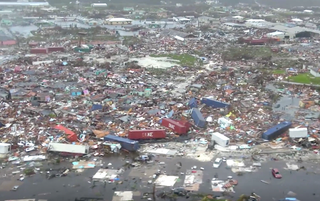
point(157, 71)
point(130, 40)
point(305, 78)
point(183, 59)
point(279, 72)
point(247, 53)
point(105, 38)
point(28, 171)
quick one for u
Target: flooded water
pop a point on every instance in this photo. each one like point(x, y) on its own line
point(304, 183)
point(25, 30)
point(289, 105)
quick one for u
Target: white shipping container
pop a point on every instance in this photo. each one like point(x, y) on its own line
point(220, 139)
point(298, 132)
point(68, 148)
point(5, 148)
point(22, 200)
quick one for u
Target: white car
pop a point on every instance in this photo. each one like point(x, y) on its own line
point(217, 163)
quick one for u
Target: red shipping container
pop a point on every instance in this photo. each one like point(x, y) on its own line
point(55, 49)
point(38, 51)
point(185, 123)
point(174, 125)
point(9, 42)
point(146, 134)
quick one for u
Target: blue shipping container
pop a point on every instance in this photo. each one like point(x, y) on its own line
point(214, 103)
point(193, 103)
point(96, 107)
point(198, 118)
point(277, 130)
point(130, 145)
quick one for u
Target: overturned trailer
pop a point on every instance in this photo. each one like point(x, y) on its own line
point(68, 149)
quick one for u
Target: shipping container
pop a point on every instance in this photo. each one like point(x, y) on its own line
point(214, 103)
point(193, 103)
point(174, 125)
point(277, 130)
point(9, 42)
point(125, 143)
point(22, 200)
point(220, 139)
point(68, 149)
point(185, 123)
point(258, 42)
point(5, 148)
point(38, 51)
point(146, 134)
point(298, 132)
point(55, 49)
point(198, 118)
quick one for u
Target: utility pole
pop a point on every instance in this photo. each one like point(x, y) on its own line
point(154, 192)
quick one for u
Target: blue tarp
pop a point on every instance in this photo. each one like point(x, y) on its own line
point(96, 107)
point(76, 93)
point(289, 199)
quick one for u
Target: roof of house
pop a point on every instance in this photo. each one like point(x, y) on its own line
point(316, 70)
point(207, 18)
point(24, 4)
point(118, 20)
point(285, 28)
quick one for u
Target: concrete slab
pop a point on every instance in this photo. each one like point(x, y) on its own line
point(164, 180)
point(193, 180)
point(105, 174)
point(122, 196)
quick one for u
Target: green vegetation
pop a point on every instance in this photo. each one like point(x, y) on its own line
point(305, 78)
point(157, 71)
point(279, 72)
point(182, 59)
point(104, 37)
point(36, 38)
point(130, 40)
point(247, 53)
point(286, 62)
point(28, 171)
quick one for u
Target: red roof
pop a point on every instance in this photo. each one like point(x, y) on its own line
point(71, 135)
